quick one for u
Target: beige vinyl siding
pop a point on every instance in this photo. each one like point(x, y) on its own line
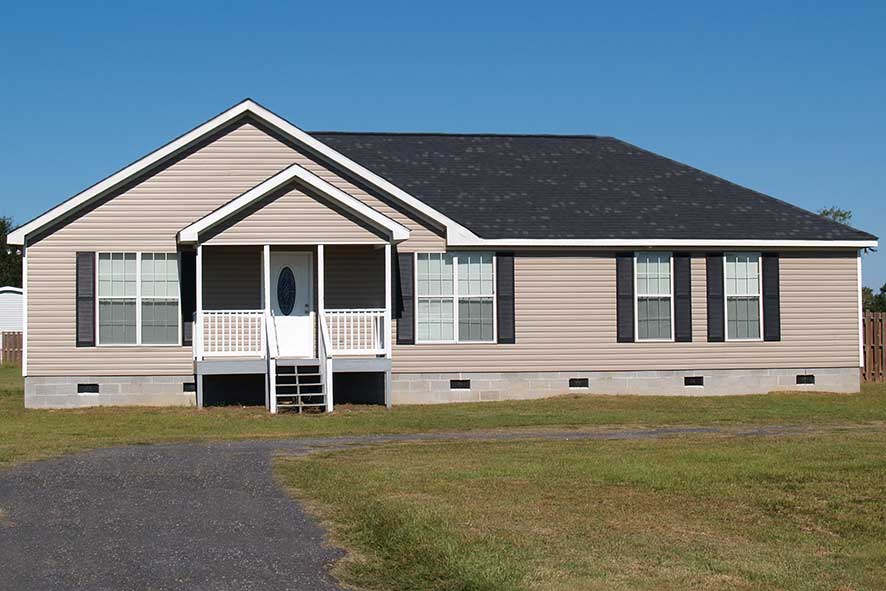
point(232, 278)
point(295, 217)
point(355, 277)
point(565, 321)
point(146, 217)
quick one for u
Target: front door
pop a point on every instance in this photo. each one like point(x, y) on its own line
point(292, 301)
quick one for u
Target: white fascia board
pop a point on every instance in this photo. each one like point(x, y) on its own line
point(17, 237)
point(295, 172)
point(458, 240)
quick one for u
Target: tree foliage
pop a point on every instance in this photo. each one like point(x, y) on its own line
point(10, 257)
point(874, 302)
point(844, 216)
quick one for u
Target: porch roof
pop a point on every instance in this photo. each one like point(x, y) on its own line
point(300, 175)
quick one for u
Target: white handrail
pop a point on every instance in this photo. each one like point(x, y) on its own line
point(271, 329)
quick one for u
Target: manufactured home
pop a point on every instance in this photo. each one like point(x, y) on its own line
point(306, 269)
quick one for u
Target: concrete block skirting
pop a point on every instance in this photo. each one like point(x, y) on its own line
point(61, 391)
point(431, 388)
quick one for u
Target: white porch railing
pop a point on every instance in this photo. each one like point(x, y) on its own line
point(357, 331)
point(231, 333)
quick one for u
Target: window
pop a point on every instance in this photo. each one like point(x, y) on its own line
point(654, 301)
point(159, 295)
point(743, 303)
point(117, 297)
point(138, 298)
point(455, 297)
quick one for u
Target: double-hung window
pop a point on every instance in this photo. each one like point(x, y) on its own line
point(455, 297)
point(743, 303)
point(654, 296)
point(138, 298)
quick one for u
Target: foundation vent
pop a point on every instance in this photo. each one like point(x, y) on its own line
point(189, 387)
point(693, 381)
point(579, 382)
point(459, 384)
point(805, 378)
point(87, 388)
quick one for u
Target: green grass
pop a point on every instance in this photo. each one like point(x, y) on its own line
point(33, 434)
point(802, 512)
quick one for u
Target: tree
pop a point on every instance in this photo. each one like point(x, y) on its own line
point(843, 216)
point(874, 302)
point(10, 257)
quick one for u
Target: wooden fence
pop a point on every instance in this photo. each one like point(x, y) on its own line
point(11, 351)
point(874, 347)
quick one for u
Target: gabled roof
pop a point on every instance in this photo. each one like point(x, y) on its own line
point(529, 190)
point(294, 173)
point(552, 188)
point(246, 108)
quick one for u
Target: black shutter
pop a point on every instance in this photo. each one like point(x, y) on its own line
point(624, 293)
point(405, 300)
point(188, 270)
point(682, 297)
point(716, 311)
point(504, 291)
point(771, 298)
point(85, 299)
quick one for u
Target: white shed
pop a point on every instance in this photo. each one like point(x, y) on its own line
point(10, 309)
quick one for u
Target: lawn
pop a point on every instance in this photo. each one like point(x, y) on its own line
point(799, 511)
point(33, 434)
point(803, 511)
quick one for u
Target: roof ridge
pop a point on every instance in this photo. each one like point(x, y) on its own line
point(464, 134)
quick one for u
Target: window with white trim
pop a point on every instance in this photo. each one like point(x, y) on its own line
point(654, 296)
point(741, 274)
point(455, 297)
point(159, 298)
point(138, 298)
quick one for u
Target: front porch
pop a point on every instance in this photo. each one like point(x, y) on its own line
point(296, 314)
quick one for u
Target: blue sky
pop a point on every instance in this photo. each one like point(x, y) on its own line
point(789, 100)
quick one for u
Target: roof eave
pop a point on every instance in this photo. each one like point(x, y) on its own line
point(461, 240)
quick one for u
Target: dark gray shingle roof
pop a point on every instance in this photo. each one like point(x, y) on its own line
point(546, 186)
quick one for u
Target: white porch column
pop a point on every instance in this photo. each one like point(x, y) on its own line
point(387, 328)
point(266, 277)
point(197, 337)
point(321, 289)
point(388, 280)
point(321, 309)
point(266, 293)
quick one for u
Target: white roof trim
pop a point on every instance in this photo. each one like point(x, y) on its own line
point(458, 241)
point(248, 106)
point(294, 172)
point(10, 289)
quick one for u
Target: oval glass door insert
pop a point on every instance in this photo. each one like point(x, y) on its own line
point(286, 291)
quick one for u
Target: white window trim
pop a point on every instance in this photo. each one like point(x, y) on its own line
point(138, 301)
point(759, 297)
point(455, 298)
point(637, 297)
